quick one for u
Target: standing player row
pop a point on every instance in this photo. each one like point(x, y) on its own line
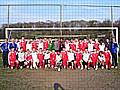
point(59, 45)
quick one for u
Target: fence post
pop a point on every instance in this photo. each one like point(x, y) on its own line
point(112, 15)
point(61, 18)
point(111, 9)
point(8, 16)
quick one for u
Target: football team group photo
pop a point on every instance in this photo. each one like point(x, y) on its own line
point(59, 44)
point(60, 54)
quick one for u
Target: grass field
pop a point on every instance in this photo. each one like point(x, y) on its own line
point(65, 80)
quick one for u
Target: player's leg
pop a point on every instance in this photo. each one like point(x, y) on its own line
point(48, 63)
point(37, 64)
point(88, 65)
point(75, 64)
point(45, 63)
point(59, 66)
point(17, 64)
point(21, 65)
point(52, 64)
point(7, 59)
point(102, 64)
point(72, 64)
point(106, 63)
point(64, 64)
point(69, 64)
point(34, 64)
point(109, 64)
point(27, 63)
point(4, 59)
point(78, 65)
point(31, 64)
point(81, 64)
point(114, 60)
point(40, 64)
point(12, 64)
point(96, 63)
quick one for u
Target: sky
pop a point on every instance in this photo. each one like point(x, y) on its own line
point(44, 13)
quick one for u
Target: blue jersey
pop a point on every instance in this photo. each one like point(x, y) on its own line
point(114, 47)
point(4, 47)
point(13, 45)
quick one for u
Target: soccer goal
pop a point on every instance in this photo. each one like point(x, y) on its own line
point(73, 32)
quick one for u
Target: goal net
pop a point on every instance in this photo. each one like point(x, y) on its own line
point(90, 32)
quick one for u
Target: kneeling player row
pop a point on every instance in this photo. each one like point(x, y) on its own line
point(63, 59)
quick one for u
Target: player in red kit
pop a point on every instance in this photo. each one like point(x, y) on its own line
point(45, 44)
point(73, 45)
point(81, 45)
point(108, 58)
point(96, 44)
point(40, 58)
point(34, 45)
point(94, 58)
point(53, 58)
point(78, 61)
point(28, 58)
point(64, 58)
point(12, 58)
point(23, 44)
point(85, 44)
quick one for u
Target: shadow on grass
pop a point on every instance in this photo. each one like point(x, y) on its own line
point(57, 86)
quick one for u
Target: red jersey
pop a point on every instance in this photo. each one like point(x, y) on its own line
point(73, 46)
point(28, 57)
point(81, 46)
point(107, 55)
point(96, 46)
point(52, 56)
point(85, 45)
point(34, 45)
point(64, 55)
point(94, 56)
point(12, 56)
point(45, 45)
point(23, 45)
point(78, 56)
point(40, 56)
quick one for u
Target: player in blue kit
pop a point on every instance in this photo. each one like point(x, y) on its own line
point(5, 50)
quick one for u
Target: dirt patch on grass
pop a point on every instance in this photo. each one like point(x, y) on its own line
point(66, 79)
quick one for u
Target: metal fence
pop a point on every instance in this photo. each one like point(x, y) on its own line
point(58, 15)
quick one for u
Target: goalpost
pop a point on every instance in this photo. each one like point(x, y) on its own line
point(73, 32)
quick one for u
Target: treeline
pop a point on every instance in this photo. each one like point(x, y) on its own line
point(75, 23)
